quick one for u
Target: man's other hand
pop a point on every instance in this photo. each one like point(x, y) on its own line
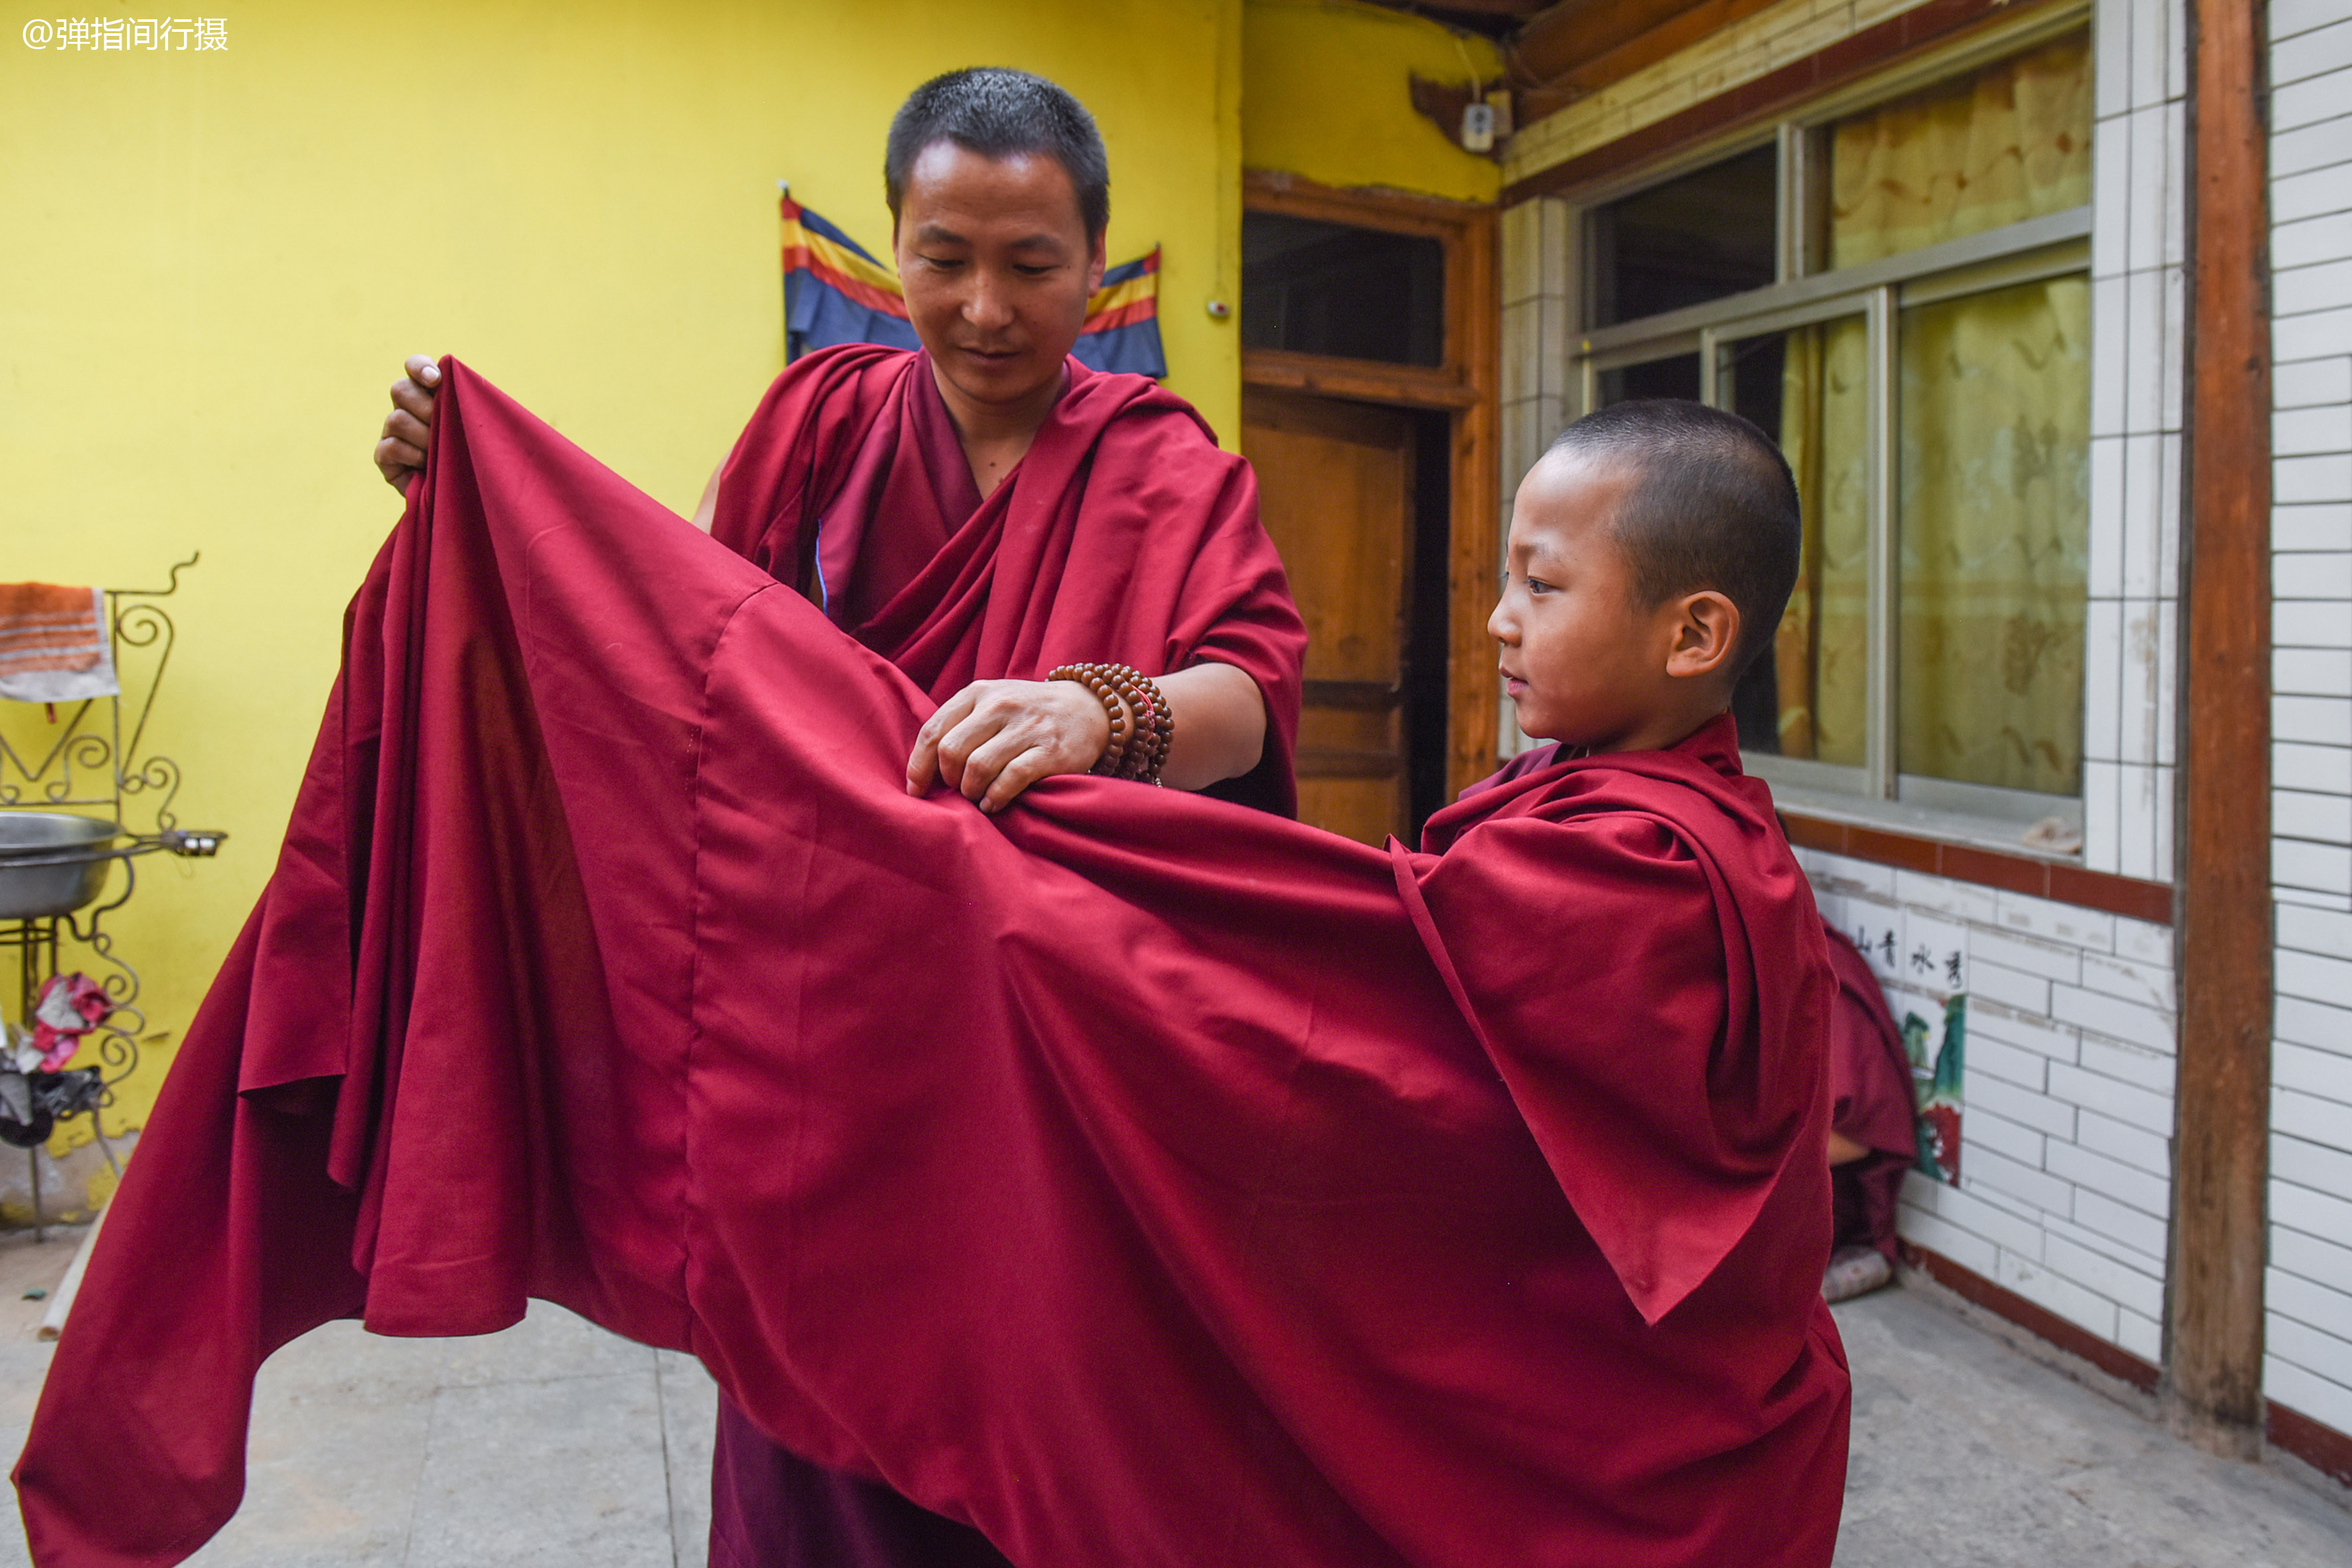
point(995, 738)
point(400, 454)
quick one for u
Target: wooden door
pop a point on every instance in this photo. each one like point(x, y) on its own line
point(1334, 485)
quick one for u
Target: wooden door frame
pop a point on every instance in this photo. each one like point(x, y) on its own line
point(1464, 387)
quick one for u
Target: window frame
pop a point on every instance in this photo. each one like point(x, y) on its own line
point(1805, 292)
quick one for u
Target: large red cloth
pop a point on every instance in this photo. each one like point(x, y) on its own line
point(1140, 1178)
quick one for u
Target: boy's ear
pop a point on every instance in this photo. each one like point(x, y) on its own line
point(1705, 635)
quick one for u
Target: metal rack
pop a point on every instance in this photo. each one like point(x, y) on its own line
point(55, 852)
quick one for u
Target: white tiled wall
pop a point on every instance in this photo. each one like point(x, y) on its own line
point(2138, 198)
point(2066, 1123)
point(2309, 1283)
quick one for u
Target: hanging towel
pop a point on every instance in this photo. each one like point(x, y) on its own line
point(53, 644)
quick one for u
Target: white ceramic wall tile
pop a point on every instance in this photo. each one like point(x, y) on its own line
point(2136, 1147)
point(2323, 768)
point(2289, 18)
point(2026, 993)
point(2142, 1108)
point(2143, 1293)
point(2144, 352)
point(2314, 1257)
point(2312, 671)
point(2310, 194)
point(2168, 712)
point(2320, 527)
point(2027, 1032)
point(2310, 99)
point(2111, 42)
point(2317, 50)
point(2305, 290)
point(2149, 55)
point(2307, 383)
point(2135, 1229)
point(2306, 1302)
point(2315, 1070)
point(2314, 932)
point(2137, 816)
point(2173, 288)
point(1983, 1130)
point(1983, 1168)
point(2101, 842)
point(2311, 574)
point(2050, 959)
point(2102, 679)
point(2144, 206)
point(2320, 720)
point(2316, 977)
point(2321, 868)
point(2299, 1021)
point(2025, 1107)
point(2306, 814)
point(2148, 1067)
point(2110, 323)
point(2113, 1016)
point(2302, 432)
point(2013, 1065)
point(2311, 1164)
point(2045, 1287)
point(2322, 144)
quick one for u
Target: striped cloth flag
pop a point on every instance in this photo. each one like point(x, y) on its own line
point(836, 292)
point(53, 644)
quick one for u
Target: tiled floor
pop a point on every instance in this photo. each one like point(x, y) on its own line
point(554, 1443)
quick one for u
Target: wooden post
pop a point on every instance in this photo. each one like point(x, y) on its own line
point(2223, 932)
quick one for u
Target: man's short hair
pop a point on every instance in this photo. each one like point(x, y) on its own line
point(1001, 114)
point(1714, 506)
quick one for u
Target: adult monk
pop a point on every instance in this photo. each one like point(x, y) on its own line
point(979, 513)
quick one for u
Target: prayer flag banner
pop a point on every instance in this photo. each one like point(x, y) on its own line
point(836, 292)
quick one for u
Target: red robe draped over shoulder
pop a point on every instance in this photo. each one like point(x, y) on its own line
point(1142, 1181)
point(1124, 536)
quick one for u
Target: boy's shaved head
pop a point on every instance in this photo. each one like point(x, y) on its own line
point(1714, 506)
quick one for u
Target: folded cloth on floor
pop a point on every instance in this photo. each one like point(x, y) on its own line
point(53, 644)
point(1138, 1178)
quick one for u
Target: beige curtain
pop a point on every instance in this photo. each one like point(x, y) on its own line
point(2002, 145)
point(1994, 509)
point(1821, 652)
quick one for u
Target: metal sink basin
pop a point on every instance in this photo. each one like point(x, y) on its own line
point(52, 862)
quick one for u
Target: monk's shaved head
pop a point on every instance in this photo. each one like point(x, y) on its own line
point(1713, 506)
point(1001, 114)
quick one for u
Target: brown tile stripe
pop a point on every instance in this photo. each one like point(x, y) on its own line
point(1972, 1285)
point(2324, 1449)
point(1986, 868)
point(1848, 60)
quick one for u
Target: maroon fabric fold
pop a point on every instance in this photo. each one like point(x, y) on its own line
point(1872, 1102)
point(1121, 1176)
point(1124, 535)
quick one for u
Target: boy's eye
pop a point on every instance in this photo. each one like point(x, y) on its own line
point(1538, 585)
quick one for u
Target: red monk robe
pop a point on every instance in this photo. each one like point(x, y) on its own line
point(1142, 1180)
point(1872, 1102)
point(1123, 535)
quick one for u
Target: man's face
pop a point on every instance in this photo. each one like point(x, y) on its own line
point(998, 268)
point(1583, 661)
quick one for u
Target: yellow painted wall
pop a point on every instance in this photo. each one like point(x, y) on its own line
point(213, 263)
point(1324, 94)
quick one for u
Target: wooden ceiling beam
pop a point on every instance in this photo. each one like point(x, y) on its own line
point(1688, 23)
point(1563, 36)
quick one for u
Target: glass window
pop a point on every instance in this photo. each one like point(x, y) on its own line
point(1997, 146)
point(1937, 421)
point(1708, 234)
point(1332, 289)
point(1993, 518)
point(1676, 375)
point(1809, 387)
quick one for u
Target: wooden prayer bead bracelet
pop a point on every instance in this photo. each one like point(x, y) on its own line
point(1137, 748)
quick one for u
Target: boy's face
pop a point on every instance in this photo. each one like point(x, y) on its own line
point(1584, 661)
